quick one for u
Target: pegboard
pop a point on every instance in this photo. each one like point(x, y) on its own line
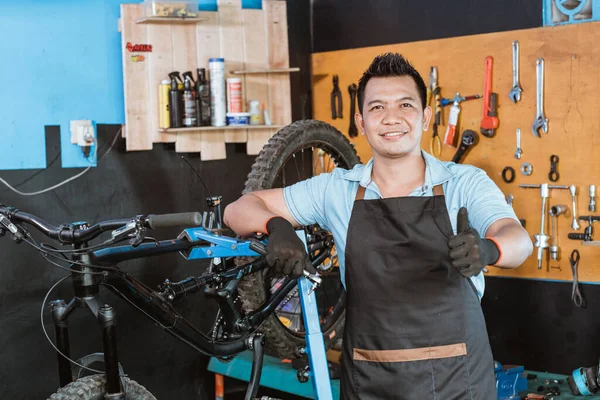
point(572, 105)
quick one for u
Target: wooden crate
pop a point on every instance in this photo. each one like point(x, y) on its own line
point(254, 46)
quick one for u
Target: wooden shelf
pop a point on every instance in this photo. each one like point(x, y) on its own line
point(170, 20)
point(221, 128)
point(266, 71)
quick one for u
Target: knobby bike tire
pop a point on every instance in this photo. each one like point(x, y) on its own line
point(279, 341)
point(93, 387)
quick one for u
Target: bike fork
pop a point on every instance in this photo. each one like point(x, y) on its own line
point(107, 318)
point(60, 312)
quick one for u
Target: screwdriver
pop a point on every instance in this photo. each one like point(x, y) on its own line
point(446, 102)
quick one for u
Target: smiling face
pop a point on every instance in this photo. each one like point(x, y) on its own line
point(393, 118)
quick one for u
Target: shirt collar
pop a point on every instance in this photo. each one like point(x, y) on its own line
point(436, 172)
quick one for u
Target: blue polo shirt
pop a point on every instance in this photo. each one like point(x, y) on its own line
point(327, 199)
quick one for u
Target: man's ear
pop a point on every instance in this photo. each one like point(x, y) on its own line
point(427, 112)
point(360, 123)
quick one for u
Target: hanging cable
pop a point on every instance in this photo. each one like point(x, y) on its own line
point(8, 185)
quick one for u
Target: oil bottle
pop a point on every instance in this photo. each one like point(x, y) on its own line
point(175, 101)
point(189, 101)
point(203, 95)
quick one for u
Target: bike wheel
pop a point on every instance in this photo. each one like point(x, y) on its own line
point(93, 387)
point(299, 151)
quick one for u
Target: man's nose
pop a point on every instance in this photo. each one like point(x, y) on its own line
point(393, 117)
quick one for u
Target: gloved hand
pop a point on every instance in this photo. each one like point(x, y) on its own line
point(286, 253)
point(468, 251)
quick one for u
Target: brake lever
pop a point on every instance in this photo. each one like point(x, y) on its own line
point(134, 230)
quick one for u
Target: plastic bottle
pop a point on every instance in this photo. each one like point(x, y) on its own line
point(234, 95)
point(254, 109)
point(189, 103)
point(217, 91)
point(203, 94)
point(175, 101)
point(164, 121)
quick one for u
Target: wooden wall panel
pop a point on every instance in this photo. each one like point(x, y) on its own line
point(279, 106)
point(232, 49)
point(256, 57)
point(208, 40)
point(247, 39)
point(160, 64)
point(572, 90)
point(135, 78)
point(185, 59)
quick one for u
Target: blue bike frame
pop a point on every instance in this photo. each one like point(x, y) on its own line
point(222, 246)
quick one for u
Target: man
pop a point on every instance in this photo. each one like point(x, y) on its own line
point(413, 236)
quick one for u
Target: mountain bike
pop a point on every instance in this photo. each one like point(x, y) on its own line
point(256, 307)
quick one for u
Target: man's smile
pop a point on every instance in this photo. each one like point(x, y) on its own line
point(393, 135)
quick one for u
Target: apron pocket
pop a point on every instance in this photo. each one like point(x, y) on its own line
point(427, 373)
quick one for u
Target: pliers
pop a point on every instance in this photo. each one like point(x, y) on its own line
point(435, 145)
point(336, 109)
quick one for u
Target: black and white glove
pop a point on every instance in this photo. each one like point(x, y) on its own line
point(468, 251)
point(286, 253)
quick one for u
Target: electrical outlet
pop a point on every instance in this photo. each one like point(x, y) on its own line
point(77, 127)
point(83, 134)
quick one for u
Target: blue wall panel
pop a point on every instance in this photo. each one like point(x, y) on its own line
point(61, 61)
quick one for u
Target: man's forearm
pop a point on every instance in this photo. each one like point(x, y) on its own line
point(515, 245)
point(247, 215)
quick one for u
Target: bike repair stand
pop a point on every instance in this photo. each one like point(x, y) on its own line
point(315, 346)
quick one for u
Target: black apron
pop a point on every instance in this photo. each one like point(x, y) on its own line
point(414, 326)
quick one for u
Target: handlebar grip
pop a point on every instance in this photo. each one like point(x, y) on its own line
point(174, 220)
point(576, 236)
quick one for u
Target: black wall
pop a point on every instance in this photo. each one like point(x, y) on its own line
point(531, 323)
point(124, 184)
point(347, 24)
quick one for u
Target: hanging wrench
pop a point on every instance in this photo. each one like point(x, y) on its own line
point(518, 152)
point(515, 93)
point(540, 119)
point(489, 120)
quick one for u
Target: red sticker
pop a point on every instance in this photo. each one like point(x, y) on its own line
point(138, 47)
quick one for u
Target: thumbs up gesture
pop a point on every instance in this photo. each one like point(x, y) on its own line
point(468, 251)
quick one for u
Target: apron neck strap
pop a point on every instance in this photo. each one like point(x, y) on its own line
point(360, 193)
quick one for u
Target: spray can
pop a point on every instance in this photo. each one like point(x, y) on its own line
point(203, 94)
point(452, 122)
point(164, 115)
point(189, 102)
point(218, 107)
point(234, 95)
point(175, 101)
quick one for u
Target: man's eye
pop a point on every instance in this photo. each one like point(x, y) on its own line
point(406, 105)
point(378, 107)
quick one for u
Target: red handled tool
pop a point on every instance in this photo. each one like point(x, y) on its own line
point(489, 120)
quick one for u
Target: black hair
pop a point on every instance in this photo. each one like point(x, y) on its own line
point(390, 65)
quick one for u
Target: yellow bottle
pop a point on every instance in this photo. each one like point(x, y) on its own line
point(164, 115)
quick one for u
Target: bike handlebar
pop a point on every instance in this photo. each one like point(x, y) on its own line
point(72, 234)
point(174, 220)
